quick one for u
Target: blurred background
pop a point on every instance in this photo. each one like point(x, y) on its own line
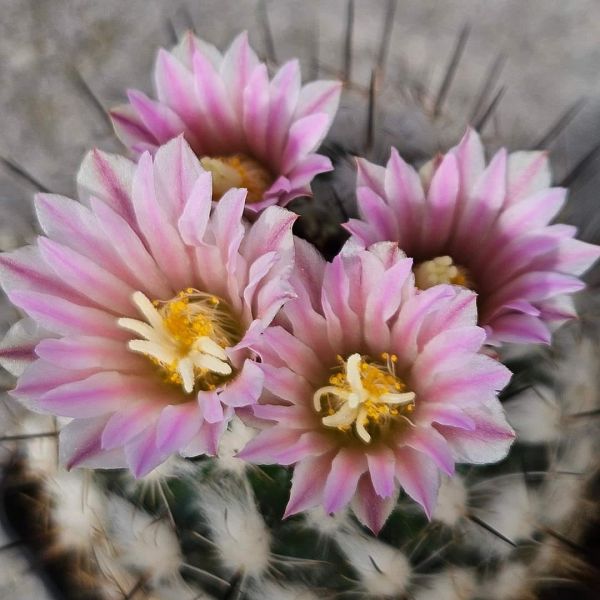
point(417, 73)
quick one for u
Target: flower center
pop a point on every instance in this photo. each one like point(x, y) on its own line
point(364, 396)
point(185, 337)
point(238, 171)
point(441, 269)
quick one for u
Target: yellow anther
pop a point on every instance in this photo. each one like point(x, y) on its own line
point(441, 269)
point(238, 171)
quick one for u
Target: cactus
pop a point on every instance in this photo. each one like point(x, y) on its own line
point(214, 527)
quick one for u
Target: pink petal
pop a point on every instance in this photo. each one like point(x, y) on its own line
point(304, 136)
point(419, 477)
point(529, 172)
point(210, 406)
point(206, 441)
point(304, 172)
point(79, 446)
point(66, 318)
point(346, 469)
point(520, 329)
point(194, 217)
point(404, 194)
point(370, 175)
point(448, 350)
point(99, 394)
point(127, 423)
point(162, 238)
point(286, 384)
point(24, 269)
point(444, 414)
point(98, 285)
point(238, 64)
point(17, 348)
point(109, 178)
point(159, 119)
point(370, 509)
point(131, 130)
point(268, 444)
point(407, 327)
point(376, 212)
point(488, 442)
point(433, 445)
point(538, 211)
point(143, 272)
point(256, 110)
point(310, 443)
point(246, 388)
point(284, 91)
point(441, 203)
point(471, 160)
point(142, 454)
point(227, 226)
point(89, 352)
point(75, 226)
point(176, 426)
point(175, 88)
point(319, 97)
point(176, 170)
point(215, 103)
point(383, 302)
point(40, 377)
point(343, 325)
point(381, 469)
point(308, 482)
point(293, 352)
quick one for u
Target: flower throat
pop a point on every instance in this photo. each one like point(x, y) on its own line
point(364, 396)
point(186, 338)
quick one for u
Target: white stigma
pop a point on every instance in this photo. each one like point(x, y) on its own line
point(163, 344)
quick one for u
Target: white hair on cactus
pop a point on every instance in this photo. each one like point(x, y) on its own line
point(237, 435)
point(561, 491)
point(42, 451)
point(452, 501)
point(507, 582)
point(536, 416)
point(271, 590)
point(17, 579)
point(77, 509)
point(179, 590)
point(326, 524)
point(142, 542)
point(577, 372)
point(510, 508)
point(452, 584)
point(236, 527)
point(383, 571)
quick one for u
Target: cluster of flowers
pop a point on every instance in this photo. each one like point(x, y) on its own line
point(175, 294)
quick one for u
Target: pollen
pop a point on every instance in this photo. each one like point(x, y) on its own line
point(441, 269)
point(364, 396)
point(238, 171)
point(185, 337)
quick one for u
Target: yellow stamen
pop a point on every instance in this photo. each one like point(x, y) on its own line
point(441, 269)
point(237, 171)
point(366, 395)
point(185, 337)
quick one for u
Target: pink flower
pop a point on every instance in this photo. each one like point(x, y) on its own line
point(374, 385)
point(249, 130)
point(486, 228)
point(151, 298)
